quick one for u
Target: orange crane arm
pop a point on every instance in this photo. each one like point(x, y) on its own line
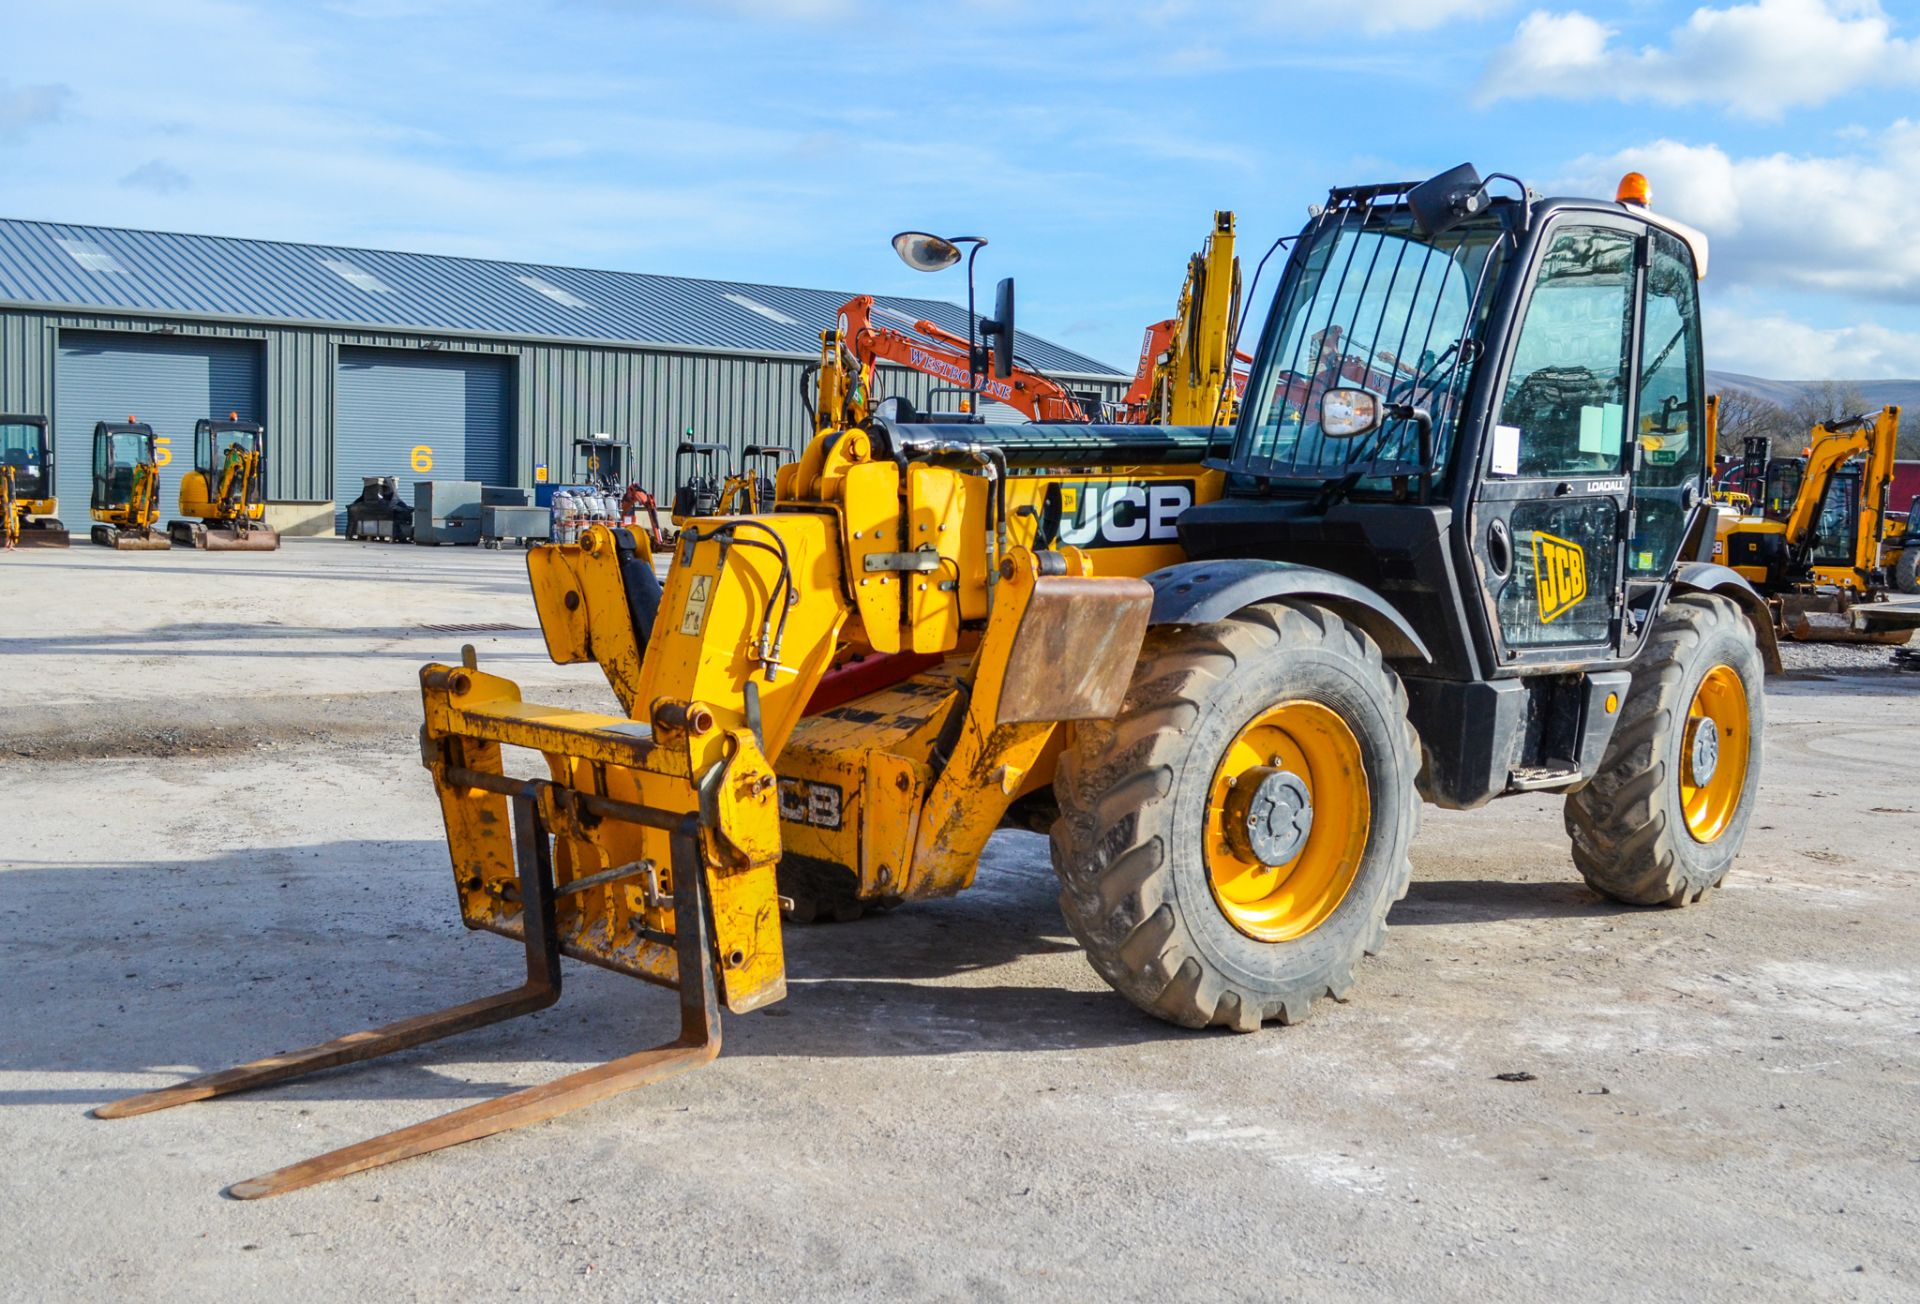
point(921, 346)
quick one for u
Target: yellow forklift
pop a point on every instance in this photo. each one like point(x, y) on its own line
point(224, 497)
point(27, 504)
point(126, 487)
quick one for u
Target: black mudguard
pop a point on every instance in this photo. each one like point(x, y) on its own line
point(1198, 592)
point(1712, 577)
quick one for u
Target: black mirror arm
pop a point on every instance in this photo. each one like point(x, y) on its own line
point(1423, 428)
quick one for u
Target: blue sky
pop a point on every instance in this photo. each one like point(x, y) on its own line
point(785, 140)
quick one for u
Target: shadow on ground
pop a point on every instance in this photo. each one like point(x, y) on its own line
point(143, 974)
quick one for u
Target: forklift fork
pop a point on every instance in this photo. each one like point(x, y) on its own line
point(697, 1044)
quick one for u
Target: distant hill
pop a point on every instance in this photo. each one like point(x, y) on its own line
point(1785, 393)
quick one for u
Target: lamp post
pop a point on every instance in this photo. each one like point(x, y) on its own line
point(932, 253)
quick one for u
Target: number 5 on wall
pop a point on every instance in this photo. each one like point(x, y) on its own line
point(162, 454)
point(422, 457)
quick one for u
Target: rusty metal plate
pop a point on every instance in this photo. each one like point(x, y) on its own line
point(1074, 653)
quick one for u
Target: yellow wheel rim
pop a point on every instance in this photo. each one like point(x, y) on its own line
point(1287, 818)
point(1713, 754)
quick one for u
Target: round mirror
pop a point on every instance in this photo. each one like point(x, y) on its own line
point(1345, 412)
point(925, 253)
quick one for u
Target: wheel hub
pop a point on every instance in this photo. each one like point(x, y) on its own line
point(1269, 815)
point(1703, 751)
point(1287, 818)
point(1715, 752)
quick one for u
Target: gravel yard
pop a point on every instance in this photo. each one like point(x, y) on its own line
point(219, 842)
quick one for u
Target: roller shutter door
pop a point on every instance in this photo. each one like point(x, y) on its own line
point(169, 383)
point(420, 416)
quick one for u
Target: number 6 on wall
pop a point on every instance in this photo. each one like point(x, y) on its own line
point(422, 457)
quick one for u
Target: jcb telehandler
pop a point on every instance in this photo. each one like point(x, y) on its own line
point(27, 504)
point(224, 498)
point(1440, 566)
point(126, 487)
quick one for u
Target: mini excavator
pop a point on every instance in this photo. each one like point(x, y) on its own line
point(126, 487)
point(223, 499)
point(1818, 548)
point(27, 504)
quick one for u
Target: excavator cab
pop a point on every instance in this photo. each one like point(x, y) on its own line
point(27, 503)
point(600, 461)
point(224, 498)
point(126, 487)
point(699, 469)
point(751, 490)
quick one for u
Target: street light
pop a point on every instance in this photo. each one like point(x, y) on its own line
point(932, 253)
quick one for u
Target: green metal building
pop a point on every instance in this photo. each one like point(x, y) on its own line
point(363, 362)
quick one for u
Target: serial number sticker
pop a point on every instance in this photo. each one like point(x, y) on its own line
point(805, 802)
point(698, 596)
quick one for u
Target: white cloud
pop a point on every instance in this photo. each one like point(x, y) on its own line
point(29, 106)
point(1757, 59)
point(1379, 16)
point(157, 175)
point(1784, 348)
point(1836, 224)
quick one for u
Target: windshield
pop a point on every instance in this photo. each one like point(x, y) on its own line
point(126, 448)
point(1367, 302)
point(20, 449)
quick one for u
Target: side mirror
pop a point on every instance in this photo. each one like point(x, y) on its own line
point(1441, 203)
point(1347, 413)
point(1000, 328)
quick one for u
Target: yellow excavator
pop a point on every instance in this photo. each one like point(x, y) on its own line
point(223, 498)
point(1436, 566)
point(27, 504)
point(1818, 548)
point(126, 487)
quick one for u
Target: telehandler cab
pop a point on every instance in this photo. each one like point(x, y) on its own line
point(1437, 560)
point(126, 487)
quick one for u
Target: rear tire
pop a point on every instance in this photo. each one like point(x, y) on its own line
point(1135, 841)
point(1638, 835)
point(1906, 571)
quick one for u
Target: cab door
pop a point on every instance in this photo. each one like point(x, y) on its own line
point(1552, 506)
point(1669, 453)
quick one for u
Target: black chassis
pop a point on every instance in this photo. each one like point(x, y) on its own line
point(1491, 721)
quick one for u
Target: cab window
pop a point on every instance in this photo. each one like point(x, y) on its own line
point(1671, 432)
point(1565, 402)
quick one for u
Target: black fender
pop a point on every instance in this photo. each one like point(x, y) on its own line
point(1199, 592)
point(1712, 577)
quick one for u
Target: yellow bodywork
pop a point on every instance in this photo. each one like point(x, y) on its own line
point(899, 789)
point(16, 509)
point(230, 493)
point(1830, 448)
point(142, 508)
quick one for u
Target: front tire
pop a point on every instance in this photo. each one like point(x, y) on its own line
point(1204, 900)
point(1663, 818)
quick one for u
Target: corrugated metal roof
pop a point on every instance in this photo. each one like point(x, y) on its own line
point(51, 264)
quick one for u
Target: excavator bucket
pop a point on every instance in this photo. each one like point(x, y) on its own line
point(223, 538)
point(108, 536)
point(40, 534)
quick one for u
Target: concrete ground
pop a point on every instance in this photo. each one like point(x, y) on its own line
point(216, 841)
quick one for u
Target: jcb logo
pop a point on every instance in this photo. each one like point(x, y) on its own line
point(1560, 575)
point(1121, 513)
